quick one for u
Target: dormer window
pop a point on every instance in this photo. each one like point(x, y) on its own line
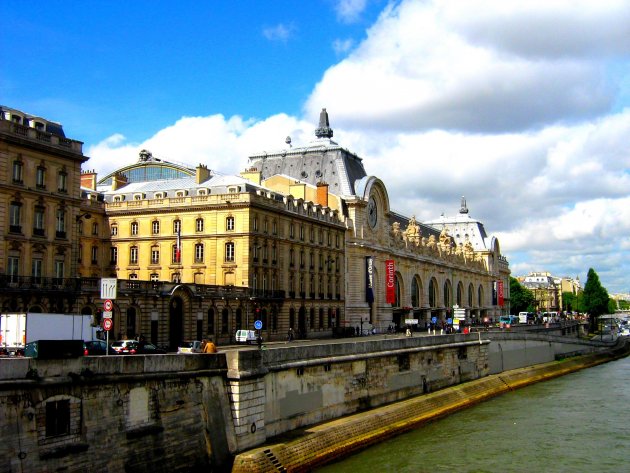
point(138, 196)
point(182, 193)
point(202, 192)
point(160, 195)
point(118, 198)
point(233, 189)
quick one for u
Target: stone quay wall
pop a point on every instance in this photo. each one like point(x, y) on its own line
point(182, 412)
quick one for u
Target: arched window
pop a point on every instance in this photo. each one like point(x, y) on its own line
point(471, 291)
point(480, 296)
point(312, 318)
point(447, 293)
point(432, 293)
point(397, 291)
point(415, 293)
point(460, 296)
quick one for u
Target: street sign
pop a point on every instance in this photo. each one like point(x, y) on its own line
point(107, 314)
point(107, 324)
point(449, 321)
point(258, 324)
point(411, 321)
point(108, 288)
point(108, 305)
point(433, 320)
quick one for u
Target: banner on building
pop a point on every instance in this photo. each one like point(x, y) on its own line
point(369, 279)
point(390, 284)
point(497, 293)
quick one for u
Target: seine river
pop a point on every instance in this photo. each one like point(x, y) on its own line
point(576, 423)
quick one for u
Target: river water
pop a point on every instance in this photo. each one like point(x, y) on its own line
point(576, 423)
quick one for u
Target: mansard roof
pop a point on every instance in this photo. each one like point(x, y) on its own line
point(320, 161)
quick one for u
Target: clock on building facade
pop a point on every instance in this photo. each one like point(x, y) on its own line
point(372, 211)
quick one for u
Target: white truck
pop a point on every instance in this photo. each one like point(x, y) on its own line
point(18, 329)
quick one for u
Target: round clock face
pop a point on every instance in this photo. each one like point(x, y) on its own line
point(372, 212)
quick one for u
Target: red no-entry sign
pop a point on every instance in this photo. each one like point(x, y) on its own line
point(107, 324)
point(108, 305)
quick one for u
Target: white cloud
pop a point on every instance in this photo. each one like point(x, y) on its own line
point(349, 11)
point(342, 46)
point(279, 32)
point(465, 66)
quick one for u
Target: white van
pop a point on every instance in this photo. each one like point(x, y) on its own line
point(522, 317)
point(245, 336)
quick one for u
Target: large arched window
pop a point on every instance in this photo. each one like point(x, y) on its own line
point(432, 293)
point(447, 293)
point(225, 313)
point(471, 291)
point(416, 292)
point(460, 294)
point(480, 296)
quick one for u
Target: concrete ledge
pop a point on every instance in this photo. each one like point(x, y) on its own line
point(326, 442)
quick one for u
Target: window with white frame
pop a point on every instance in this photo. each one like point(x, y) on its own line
point(155, 227)
point(133, 255)
point(155, 255)
point(134, 228)
point(40, 177)
point(113, 255)
point(229, 251)
point(177, 226)
point(199, 224)
point(199, 253)
point(229, 223)
point(13, 268)
point(114, 230)
point(95, 255)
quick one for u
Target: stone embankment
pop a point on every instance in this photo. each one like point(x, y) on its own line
point(317, 445)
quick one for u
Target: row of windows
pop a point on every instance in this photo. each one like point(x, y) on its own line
point(329, 235)
point(177, 226)
point(447, 293)
point(40, 176)
point(37, 268)
point(175, 254)
point(39, 220)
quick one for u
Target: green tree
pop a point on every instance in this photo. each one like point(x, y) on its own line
point(595, 298)
point(521, 298)
point(612, 305)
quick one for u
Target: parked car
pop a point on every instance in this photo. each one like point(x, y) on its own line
point(121, 347)
point(245, 336)
point(137, 348)
point(96, 347)
point(189, 347)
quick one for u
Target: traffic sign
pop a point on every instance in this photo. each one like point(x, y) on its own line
point(108, 305)
point(107, 314)
point(107, 324)
point(108, 288)
point(258, 324)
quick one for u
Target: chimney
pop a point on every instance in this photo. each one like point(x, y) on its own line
point(203, 174)
point(88, 180)
point(118, 181)
point(322, 194)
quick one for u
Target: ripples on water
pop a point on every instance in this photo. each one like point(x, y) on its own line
point(575, 423)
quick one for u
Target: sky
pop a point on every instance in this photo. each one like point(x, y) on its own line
point(521, 107)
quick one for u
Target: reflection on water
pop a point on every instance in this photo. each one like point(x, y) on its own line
point(576, 423)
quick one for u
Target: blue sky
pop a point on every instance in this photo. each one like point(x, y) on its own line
point(520, 106)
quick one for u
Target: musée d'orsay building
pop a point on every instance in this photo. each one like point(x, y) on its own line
point(303, 238)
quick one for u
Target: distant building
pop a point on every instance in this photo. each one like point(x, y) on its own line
point(548, 290)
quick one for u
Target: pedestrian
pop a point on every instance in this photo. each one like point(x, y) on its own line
point(210, 347)
point(408, 332)
point(290, 334)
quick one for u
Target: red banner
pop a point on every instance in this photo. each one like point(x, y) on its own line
point(390, 282)
point(500, 292)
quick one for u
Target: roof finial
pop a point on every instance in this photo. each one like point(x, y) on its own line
point(463, 209)
point(324, 130)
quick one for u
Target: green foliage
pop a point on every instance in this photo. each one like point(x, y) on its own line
point(521, 298)
point(623, 305)
point(595, 297)
point(612, 306)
